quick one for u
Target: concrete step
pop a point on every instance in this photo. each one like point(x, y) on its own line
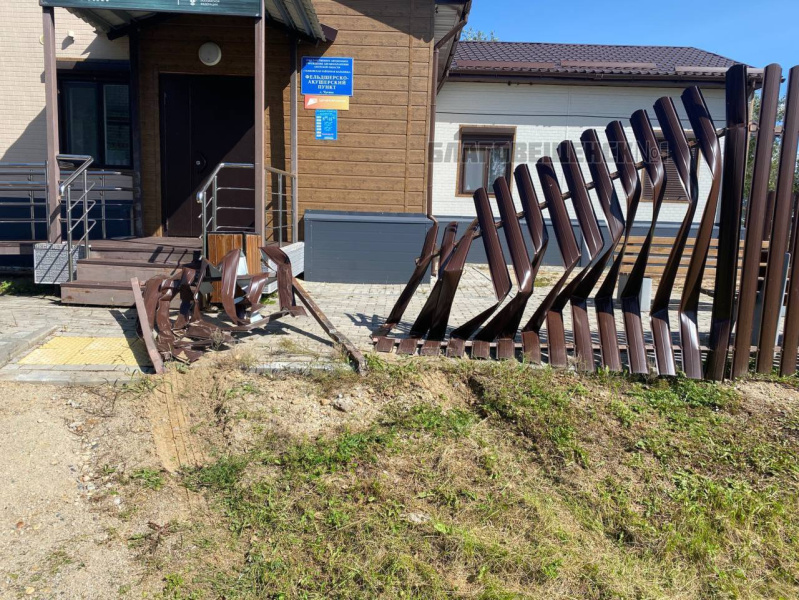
point(97, 293)
point(108, 270)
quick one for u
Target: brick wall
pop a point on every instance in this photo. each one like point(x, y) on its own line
point(545, 115)
point(22, 132)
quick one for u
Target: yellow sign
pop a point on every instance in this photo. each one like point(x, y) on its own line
point(327, 102)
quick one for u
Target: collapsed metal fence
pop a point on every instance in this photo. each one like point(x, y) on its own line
point(744, 276)
point(192, 332)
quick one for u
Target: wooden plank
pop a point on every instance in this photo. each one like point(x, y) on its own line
point(396, 39)
point(307, 125)
point(374, 142)
point(353, 169)
point(361, 110)
point(219, 244)
point(386, 24)
point(374, 8)
point(147, 333)
point(358, 154)
point(252, 252)
point(363, 183)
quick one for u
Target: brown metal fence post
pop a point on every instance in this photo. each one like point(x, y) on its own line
point(506, 321)
point(705, 132)
point(260, 124)
point(630, 296)
point(500, 277)
point(609, 201)
point(531, 344)
point(755, 218)
point(422, 264)
point(578, 290)
point(631, 184)
point(570, 251)
point(730, 223)
point(686, 168)
point(774, 293)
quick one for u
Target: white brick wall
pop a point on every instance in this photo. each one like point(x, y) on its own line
point(545, 115)
point(22, 133)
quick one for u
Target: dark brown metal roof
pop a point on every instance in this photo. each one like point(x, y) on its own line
point(587, 60)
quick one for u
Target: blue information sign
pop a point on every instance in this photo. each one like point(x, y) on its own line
point(327, 125)
point(247, 8)
point(326, 76)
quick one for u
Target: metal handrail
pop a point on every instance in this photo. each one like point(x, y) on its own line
point(212, 181)
point(282, 210)
point(101, 189)
point(85, 160)
point(30, 179)
point(208, 198)
point(65, 190)
point(36, 176)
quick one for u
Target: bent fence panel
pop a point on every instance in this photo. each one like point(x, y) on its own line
point(593, 263)
point(709, 147)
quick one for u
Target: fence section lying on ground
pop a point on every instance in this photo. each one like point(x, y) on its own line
point(748, 288)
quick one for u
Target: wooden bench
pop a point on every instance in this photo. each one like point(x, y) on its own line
point(661, 249)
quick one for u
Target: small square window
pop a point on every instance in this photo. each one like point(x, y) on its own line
point(485, 157)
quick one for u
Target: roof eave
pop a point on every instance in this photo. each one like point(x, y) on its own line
point(297, 15)
point(475, 75)
point(449, 54)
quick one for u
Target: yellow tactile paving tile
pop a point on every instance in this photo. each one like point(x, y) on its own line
point(67, 350)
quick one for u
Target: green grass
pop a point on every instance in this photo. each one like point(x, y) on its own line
point(534, 484)
point(148, 478)
point(24, 286)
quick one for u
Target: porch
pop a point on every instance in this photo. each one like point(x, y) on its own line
point(99, 253)
point(197, 155)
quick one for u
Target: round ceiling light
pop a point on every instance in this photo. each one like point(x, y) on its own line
point(210, 54)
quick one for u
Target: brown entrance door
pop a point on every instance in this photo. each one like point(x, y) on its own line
point(206, 120)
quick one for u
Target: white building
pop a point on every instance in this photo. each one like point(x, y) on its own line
point(505, 104)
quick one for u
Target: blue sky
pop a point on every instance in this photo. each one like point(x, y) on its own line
point(732, 28)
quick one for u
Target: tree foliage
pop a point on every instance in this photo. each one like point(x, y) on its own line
point(470, 34)
point(775, 151)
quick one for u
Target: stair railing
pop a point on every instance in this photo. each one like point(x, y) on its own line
point(106, 182)
point(82, 164)
point(29, 179)
point(26, 208)
point(279, 212)
point(279, 218)
point(209, 202)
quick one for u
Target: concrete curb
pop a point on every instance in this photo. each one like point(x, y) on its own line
point(9, 352)
point(296, 367)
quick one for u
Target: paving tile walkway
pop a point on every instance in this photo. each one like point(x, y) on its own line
point(296, 343)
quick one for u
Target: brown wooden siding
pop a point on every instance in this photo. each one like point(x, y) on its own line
point(379, 160)
point(171, 47)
